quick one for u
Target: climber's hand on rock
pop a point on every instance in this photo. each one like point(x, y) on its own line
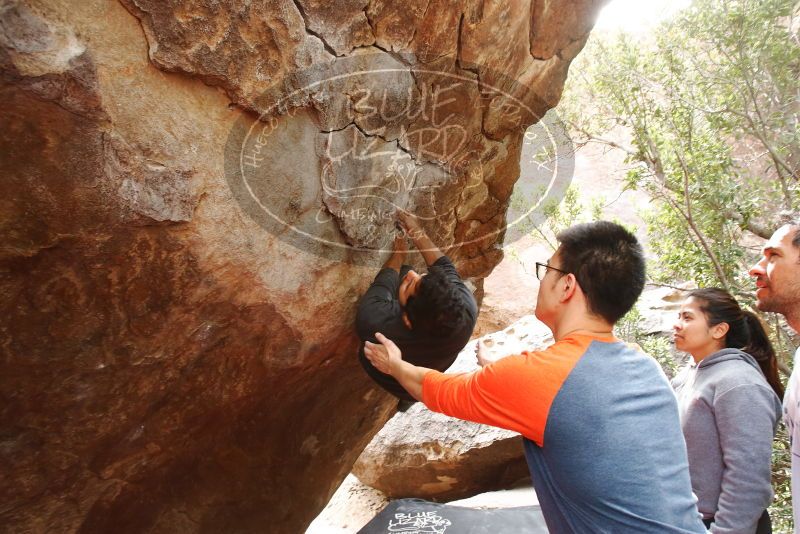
point(410, 224)
point(385, 356)
point(482, 353)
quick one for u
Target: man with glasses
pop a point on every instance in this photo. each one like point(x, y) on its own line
point(600, 422)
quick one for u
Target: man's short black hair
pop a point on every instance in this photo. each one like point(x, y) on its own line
point(437, 308)
point(795, 224)
point(608, 263)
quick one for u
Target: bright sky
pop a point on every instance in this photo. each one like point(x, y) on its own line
point(636, 15)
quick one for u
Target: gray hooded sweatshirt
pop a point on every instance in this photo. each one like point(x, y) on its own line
point(729, 415)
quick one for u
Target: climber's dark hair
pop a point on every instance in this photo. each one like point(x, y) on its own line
point(608, 263)
point(745, 330)
point(437, 308)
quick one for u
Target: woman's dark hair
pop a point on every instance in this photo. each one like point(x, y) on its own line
point(745, 330)
point(438, 307)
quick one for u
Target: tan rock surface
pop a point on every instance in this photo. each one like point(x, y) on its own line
point(171, 362)
point(352, 506)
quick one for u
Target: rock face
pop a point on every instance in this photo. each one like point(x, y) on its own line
point(427, 455)
point(176, 334)
point(352, 506)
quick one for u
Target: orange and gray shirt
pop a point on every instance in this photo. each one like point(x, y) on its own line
point(602, 435)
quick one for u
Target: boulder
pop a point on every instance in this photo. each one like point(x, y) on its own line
point(352, 506)
point(659, 307)
point(428, 455)
point(195, 194)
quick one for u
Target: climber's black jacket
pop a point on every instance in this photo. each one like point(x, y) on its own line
point(379, 311)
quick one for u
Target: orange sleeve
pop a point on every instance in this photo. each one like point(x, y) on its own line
point(514, 393)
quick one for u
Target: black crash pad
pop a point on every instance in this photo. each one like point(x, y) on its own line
point(415, 516)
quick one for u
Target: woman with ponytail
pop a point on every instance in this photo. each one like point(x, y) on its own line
point(729, 398)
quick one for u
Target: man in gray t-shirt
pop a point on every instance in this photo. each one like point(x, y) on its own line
point(777, 276)
point(431, 316)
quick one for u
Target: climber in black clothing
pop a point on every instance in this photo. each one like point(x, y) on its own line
point(430, 316)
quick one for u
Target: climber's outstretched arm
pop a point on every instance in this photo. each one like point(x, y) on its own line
point(398, 256)
point(386, 358)
point(429, 251)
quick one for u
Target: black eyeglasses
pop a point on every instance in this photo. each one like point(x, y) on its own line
point(541, 270)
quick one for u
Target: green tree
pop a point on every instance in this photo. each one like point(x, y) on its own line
point(710, 106)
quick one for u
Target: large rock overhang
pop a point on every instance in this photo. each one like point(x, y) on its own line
point(177, 342)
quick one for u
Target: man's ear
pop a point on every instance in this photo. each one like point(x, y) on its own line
point(406, 321)
point(570, 285)
point(719, 331)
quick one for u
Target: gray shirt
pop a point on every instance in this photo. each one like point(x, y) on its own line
point(791, 416)
point(729, 414)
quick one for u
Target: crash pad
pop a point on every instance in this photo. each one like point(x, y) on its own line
point(415, 516)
